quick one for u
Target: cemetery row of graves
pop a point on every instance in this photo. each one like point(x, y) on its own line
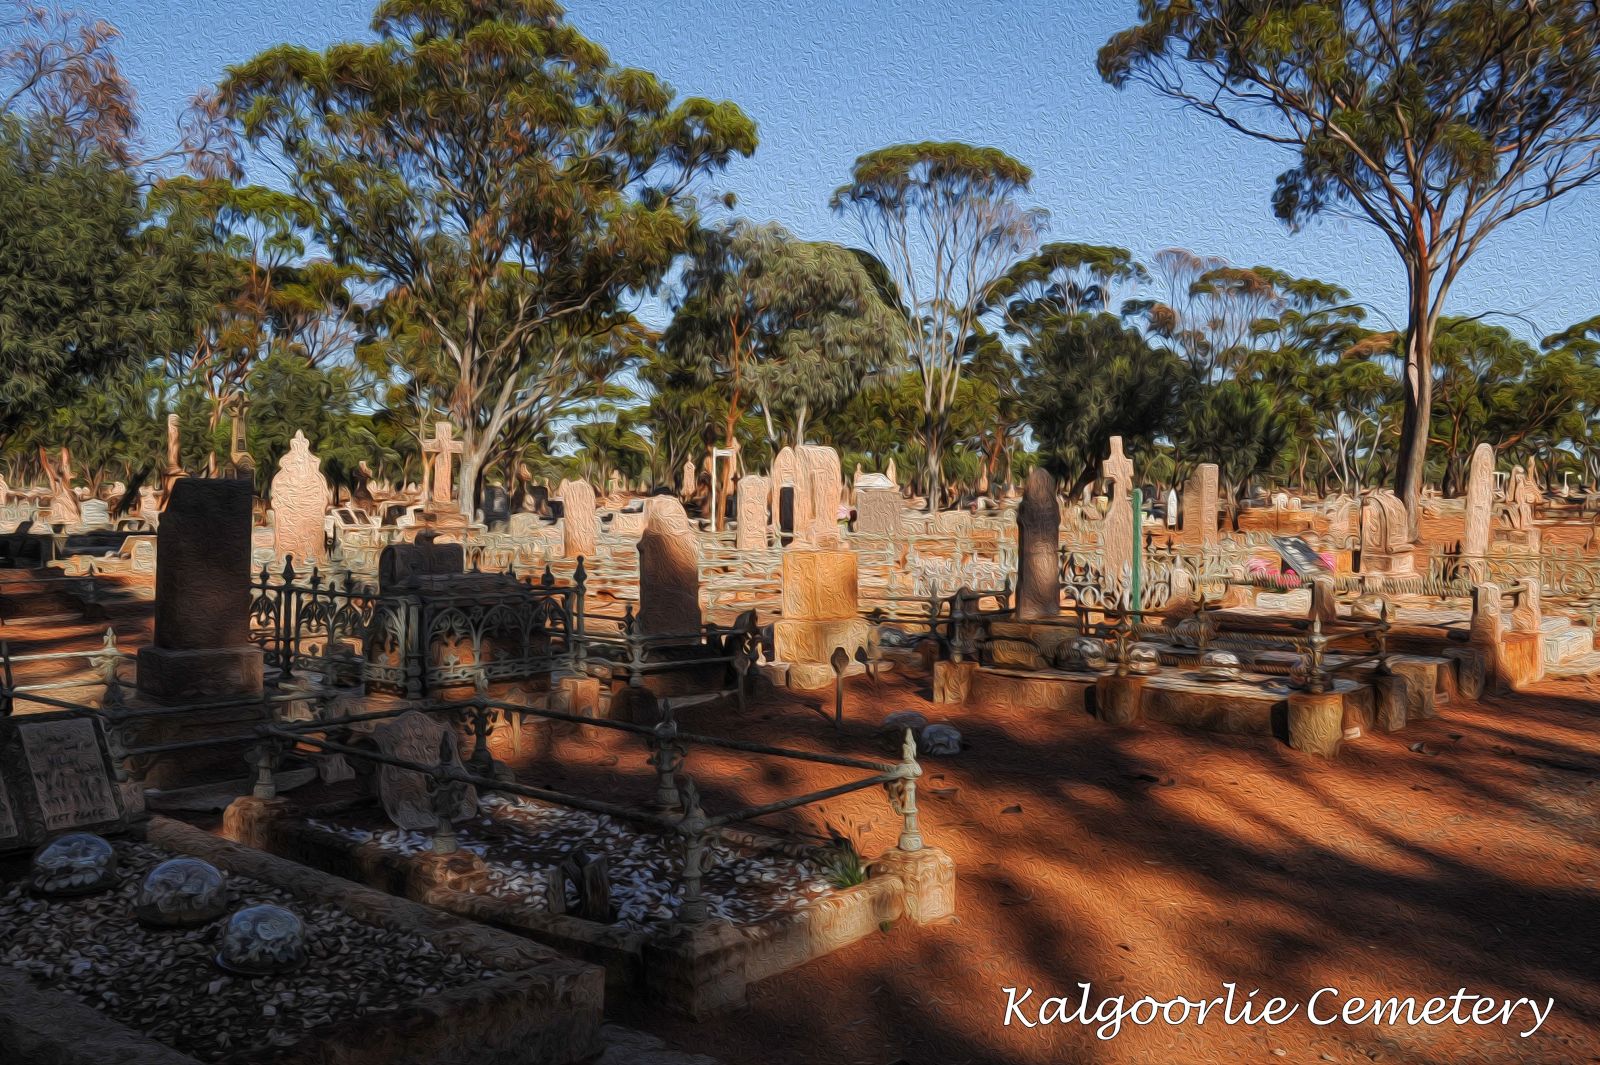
point(373, 702)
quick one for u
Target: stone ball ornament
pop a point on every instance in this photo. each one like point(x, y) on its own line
point(181, 893)
point(1091, 652)
point(1219, 666)
point(262, 939)
point(1143, 661)
point(78, 863)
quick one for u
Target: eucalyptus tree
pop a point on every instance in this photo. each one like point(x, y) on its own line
point(947, 221)
point(786, 326)
point(497, 171)
point(1435, 121)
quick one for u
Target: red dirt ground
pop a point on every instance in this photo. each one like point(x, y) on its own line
point(1162, 862)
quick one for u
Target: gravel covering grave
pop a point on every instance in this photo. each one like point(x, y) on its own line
point(162, 981)
point(522, 840)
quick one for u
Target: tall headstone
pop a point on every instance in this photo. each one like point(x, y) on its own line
point(202, 632)
point(1200, 507)
point(669, 571)
point(1479, 504)
point(1039, 548)
point(1116, 533)
point(299, 503)
point(753, 493)
point(579, 526)
point(821, 476)
point(785, 474)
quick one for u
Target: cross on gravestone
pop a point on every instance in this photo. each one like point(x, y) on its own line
point(442, 446)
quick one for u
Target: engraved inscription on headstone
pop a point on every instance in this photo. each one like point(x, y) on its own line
point(69, 773)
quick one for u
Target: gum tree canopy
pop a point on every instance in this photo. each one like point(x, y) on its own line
point(500, 175)
point(1433, 120)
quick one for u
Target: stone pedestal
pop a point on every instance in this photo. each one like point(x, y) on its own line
point(1120, 700)
point(1469, 671)
point(952, 681)
point(697, 969)
point(1316, 722)
point(1389, 698)
point(929, 877)
point(199, 674)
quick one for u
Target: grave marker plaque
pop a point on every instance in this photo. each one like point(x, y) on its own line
point(1301, 556)
point(55, 775)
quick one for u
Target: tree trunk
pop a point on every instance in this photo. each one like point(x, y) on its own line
point(467, 489)
point(934, 444)
point(1418, 384)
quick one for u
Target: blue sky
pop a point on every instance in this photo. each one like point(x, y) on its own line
point(829, 79)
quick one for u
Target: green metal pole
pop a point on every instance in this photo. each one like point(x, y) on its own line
point(1138, 546)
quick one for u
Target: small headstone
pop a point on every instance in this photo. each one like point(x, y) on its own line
point(753, 494)
point(579, 525)
point(94, 514)
point(55, 776)
point(669, 571)
point(415, 737)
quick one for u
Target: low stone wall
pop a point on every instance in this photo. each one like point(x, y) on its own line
point(544, 1010)
point(696, 971)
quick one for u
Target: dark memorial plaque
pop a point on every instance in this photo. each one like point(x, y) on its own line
point(56, 775)
point(1301, 557)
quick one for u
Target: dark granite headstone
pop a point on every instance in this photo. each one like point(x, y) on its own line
point(202, 634)
point(496, 508)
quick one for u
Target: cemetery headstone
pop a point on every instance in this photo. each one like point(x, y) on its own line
point(1479, 504)
point(299, 503)
point(579, 525)
point(669, 571)
point(1116, 535)
point(416, 737)
point(1200, 507)
point(202, 642)
point(753, 494)
point(1038, 548)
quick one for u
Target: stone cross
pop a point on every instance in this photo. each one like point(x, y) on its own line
point(1116, 535)
point(443, 447)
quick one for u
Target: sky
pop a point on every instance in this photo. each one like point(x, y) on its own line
point(827, 80)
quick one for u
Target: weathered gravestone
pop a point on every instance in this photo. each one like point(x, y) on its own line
point(753, 493)
point(202, 630)
point(299, 503)
point(669, 571)
point(783, 477)
point(579, 526)
point(1200, 507)
point(1479, 506)
point(1116, 533)
point(496, 508)
point(94, 514)
point(1385, 535)
point(57, 775)
point(1039, 548)
point(878, 511)
point(821, 479)
point(416, 737)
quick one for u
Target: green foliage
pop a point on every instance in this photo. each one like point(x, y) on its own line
point(1088, 378)
point(842, 864)
point(787, 326)
point(507, 184)
point(86, 287)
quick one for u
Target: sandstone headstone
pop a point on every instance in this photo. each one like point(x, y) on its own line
point(1200, 507)
point(686, 483)
point(299, 503)
point(890, 472)
point(1038, 548)
point(1116, 533)
point(1385, 537)
point(1479, 504)
point(669, 571)
point(822, 477)
point(753, 495)
point(416, 737)
point(878, 511)
point(94, 514)
point(783, 476)
point(579, 526)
